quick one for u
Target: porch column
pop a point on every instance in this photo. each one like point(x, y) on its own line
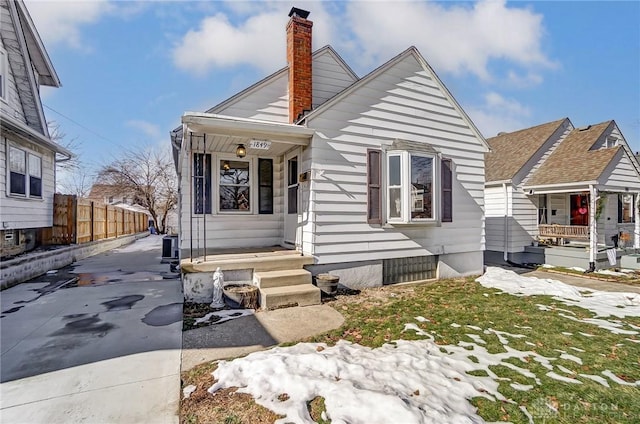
point(636, 216)
point(593, 228)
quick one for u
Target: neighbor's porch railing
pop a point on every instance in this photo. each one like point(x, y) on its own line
point(564, 231)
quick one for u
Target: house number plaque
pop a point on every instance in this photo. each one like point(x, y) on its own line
point(260, 144)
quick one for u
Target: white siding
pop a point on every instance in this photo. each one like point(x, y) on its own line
point(329, 77)
point(10, 105)
point(403, 102)
point(269, 100)
point(623, 175)
point(19, 213)
point(494, 198)
point(230, 230)
point(524, 222)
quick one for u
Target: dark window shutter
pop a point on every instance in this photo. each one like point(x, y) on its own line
point(374, 176)
point(446, 183)
point(265, 186)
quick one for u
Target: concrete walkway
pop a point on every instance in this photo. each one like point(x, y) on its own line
point(97, 342)
point(589, 283)
point(247, 334)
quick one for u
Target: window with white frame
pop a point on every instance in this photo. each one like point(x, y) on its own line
point(611, 142)
point(625, 208)
point(234, 185)
point(4, 71)
point(410, 187)
point(25, 173)
point(418, 185)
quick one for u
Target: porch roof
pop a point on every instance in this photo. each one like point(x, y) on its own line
point(224, 133)
point(210, 123)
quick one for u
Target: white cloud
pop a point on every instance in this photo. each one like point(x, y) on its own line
point(151, 131)
point(498, 114)
point(454, 38)
point(60, 22)
point(256, 39)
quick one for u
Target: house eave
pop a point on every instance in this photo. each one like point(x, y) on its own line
point(29, 134)
point(207, 123)
point(559, 187)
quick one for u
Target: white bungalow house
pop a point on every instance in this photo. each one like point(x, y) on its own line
point(376, 179)
point(27, 154)
point(577, 187)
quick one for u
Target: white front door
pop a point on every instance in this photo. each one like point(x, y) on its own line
point(291, 197)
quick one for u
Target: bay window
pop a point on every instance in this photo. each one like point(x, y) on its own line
point(416, 185)
point(410, 187)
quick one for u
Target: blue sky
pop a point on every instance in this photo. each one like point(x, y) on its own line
point(130, 69)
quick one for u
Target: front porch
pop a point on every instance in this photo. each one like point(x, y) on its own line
point(278, 273)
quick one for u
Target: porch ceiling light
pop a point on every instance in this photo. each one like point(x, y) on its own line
point(241, 151)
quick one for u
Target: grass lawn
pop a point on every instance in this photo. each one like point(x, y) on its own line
point(460, 311)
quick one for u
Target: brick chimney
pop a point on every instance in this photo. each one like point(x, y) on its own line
point(299, 60)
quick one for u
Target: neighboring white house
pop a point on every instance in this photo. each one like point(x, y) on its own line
point(27, 154)
point(555, 181)
point(377, 179)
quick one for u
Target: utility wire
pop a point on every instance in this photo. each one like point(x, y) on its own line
point(81, 126)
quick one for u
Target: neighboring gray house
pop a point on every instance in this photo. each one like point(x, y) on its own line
point(376, 179)
point(27, 154)
point(561, 183)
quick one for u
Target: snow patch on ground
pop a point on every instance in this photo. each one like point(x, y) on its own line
point(225, 315)
point(419, 380)
point(603, 304)
point(612, 273)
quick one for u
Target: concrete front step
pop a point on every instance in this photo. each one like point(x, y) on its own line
point(289, 277)
point(257, 263)
point(298, 295)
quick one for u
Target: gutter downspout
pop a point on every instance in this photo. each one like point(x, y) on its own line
point(506, 223)
point(593, 228)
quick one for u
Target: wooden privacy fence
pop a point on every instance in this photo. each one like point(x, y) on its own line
point(77, 220)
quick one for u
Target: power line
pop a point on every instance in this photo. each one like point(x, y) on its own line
point(80, 125)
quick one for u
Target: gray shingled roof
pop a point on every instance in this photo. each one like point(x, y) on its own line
point(510, 151)
point(572, 161)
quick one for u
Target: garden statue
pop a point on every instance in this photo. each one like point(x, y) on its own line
point(218, 283)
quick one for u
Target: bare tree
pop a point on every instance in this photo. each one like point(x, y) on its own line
point(72, 144)
point(148, 176)
point(74, 181)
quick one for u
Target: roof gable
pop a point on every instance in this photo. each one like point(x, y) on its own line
point(26, 53)
point(510, 152)
point(574, 160)
point(424, 88)
point(268, 99)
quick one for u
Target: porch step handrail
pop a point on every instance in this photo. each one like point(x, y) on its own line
point(564, 231)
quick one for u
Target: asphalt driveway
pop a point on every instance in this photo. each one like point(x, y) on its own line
point(98, 341)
